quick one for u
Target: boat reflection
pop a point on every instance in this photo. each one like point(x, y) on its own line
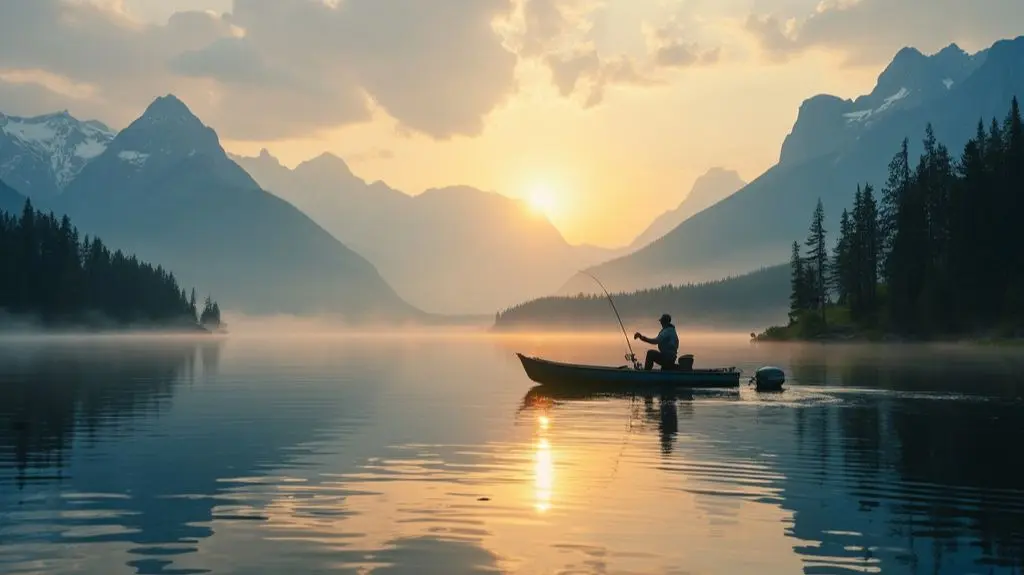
point(661, 408)
point(546, 396)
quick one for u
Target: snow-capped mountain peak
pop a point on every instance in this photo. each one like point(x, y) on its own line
point(827, 123)
point(41, 155)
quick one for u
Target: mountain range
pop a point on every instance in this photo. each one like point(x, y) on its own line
point(834, 145)
point(447, 250)
point(164, 189)
point(161, 189)
point(264, 238)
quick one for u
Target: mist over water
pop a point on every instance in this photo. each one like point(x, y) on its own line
point(331, 451)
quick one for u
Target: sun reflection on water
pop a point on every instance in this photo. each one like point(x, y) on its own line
point(543, 469)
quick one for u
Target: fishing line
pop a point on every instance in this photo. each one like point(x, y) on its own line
point(632, 356)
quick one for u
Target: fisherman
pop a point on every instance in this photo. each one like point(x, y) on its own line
point(667, 342)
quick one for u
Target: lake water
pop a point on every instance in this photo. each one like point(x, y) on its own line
point(434, 454)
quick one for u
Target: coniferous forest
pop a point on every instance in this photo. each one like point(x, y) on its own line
point(937, 253)
point(53, 277)
point(737, 302)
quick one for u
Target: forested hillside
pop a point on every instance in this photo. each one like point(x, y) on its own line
point(939, 254)
point(738, 302)
point(51, 276)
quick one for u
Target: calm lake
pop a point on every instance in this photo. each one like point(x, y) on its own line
point(435, 454)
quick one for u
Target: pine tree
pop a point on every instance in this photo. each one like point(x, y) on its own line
point(841, 267)
point(896, 187)
point(211, 313)
point(867, 249)
point(818, 261)
point(798, 285)
point(973, 246)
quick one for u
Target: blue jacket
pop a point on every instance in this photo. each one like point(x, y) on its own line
point(668, 340)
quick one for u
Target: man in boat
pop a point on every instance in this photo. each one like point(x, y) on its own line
point(667, 342)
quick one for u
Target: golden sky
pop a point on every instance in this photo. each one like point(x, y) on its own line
point(612, 169)
point(666, 88)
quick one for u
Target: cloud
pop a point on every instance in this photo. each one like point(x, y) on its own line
point(439, 66)
point(670, 48)
point(559, 33)
point(871, 31)
point(272, 69)
point(26, 93)
point(570, 71)
point(277, 69)
point(232, 62)
point(555, 25)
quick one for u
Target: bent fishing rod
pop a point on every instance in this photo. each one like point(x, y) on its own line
point(632, 356)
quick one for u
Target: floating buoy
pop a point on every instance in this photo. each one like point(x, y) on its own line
point(768, 378)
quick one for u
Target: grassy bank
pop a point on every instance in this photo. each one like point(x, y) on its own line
point(837, 326)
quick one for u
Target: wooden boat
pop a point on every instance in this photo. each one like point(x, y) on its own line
point(553, 373)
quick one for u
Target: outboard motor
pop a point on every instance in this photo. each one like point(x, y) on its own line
point(768, 378)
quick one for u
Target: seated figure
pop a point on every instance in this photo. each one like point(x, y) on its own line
point(667, 342)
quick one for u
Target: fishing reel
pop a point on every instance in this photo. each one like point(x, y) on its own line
point(631, 358)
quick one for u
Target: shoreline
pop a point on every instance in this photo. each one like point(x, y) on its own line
point(22, 330)
point(773, 335)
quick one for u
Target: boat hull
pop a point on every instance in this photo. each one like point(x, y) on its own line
point(553, 373)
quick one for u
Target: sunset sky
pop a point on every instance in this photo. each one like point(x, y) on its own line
point(605, 111)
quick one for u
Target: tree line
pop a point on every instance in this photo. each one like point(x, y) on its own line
point(50, 274)
point(938, 253)
point(740, 300)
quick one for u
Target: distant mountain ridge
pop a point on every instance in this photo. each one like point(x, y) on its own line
point(164, 188)
point(712, 187)
point(756, 225)
point(41, 155)
point(447, 250)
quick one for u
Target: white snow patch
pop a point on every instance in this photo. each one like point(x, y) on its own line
point(132, 157)
point(903, 93)
point(90, 149)
point(948, 82)
point(63, 170)
point(857, 116)
point(864, 115)
point(30, 132)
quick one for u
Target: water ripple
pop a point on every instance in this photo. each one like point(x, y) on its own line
point(268, 458)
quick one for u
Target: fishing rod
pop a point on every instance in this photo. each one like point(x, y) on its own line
point(632, 356)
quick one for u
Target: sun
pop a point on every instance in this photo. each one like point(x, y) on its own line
point(543, 201)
